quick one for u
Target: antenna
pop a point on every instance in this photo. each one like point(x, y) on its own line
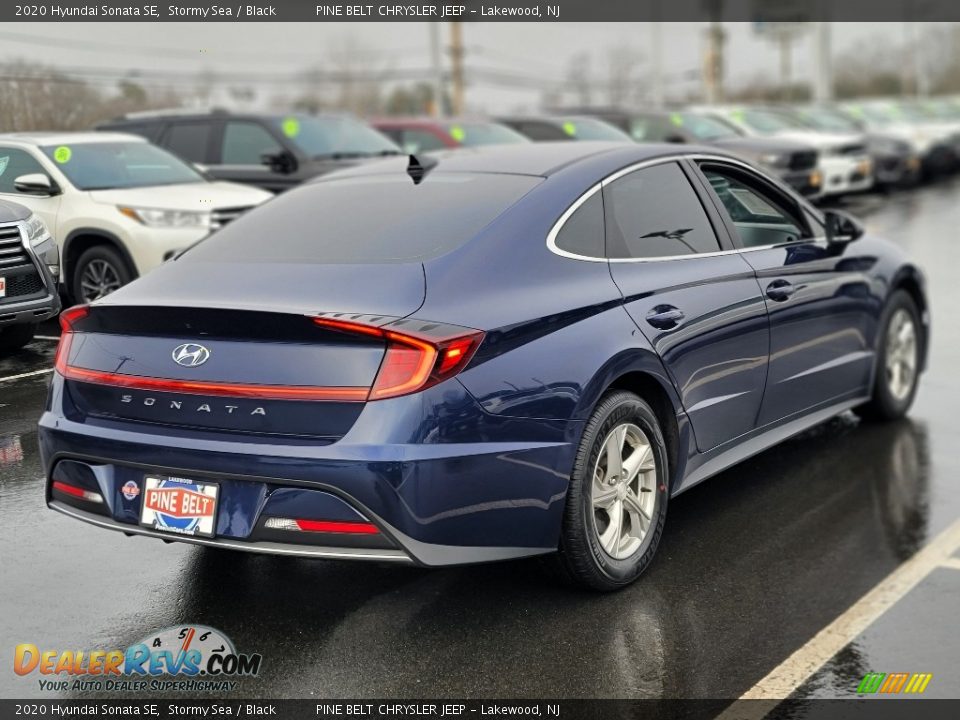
point(418, 170)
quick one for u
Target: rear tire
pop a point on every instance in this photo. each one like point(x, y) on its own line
point(16, 336)
point(617, 498)
point(898, 360)
point(99, 271)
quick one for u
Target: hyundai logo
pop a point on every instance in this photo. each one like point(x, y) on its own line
point(190, 355)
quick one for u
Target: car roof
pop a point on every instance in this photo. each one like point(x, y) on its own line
point(556, 119)
point(539, 159)
point(421, 121)
point(145, 116)
point(69, 138)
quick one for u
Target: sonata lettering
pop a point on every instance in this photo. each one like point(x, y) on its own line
point(202, 407)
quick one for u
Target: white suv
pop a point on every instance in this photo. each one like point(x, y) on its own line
point(116, 205)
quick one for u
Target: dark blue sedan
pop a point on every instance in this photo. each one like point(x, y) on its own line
point(503, 352)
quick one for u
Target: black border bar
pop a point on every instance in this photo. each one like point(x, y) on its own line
point(767, 11)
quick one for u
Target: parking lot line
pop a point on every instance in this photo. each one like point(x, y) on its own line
point(796, 669)
point(952, 563)
point(26, 374)
point(46, 337)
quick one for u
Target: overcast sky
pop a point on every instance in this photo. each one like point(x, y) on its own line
point(533, 50)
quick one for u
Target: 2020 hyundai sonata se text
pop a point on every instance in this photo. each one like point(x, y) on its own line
point(516, 351)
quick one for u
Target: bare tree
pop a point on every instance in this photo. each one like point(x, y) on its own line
point(578, 79)
point(624, 64)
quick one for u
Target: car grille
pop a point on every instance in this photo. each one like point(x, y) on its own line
point(12, 251)
point(221, 216)
point(806, 160)
point(27, 282)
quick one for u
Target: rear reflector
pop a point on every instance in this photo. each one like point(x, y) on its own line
point(198, 387)
point(77, 492)
point(323, 526)
point(413, 361)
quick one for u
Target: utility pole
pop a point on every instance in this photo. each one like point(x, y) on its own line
point(786, 65)
point(456, 65)
point(823, 81)
point(437, 67)
point(713, 53)
point(656, 49)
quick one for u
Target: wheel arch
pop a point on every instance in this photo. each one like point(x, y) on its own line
point(910, 280)
point(651, 391)
point(642, 373)
point(81, 239)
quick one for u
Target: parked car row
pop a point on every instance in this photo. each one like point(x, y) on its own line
point(98, 209)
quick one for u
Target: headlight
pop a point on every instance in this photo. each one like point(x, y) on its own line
point(774, 159)
point(43, 245)
point(36, 230)
point(154, 217)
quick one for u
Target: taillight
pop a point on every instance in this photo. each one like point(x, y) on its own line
point(414, 359)
point(68, 321)
point(77, 492)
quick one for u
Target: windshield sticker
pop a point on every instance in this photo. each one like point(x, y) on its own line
point(677, 119)
point(3, 164)
point(570, 128)
point(290, 127)
point(62, 154)
point(457, 133)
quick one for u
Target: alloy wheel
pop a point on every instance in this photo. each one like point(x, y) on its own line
point(623, 491)
point(901, 354)
point(99, 278)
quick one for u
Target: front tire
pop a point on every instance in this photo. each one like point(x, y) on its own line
point(898, 361)
point(617, 498)
point(16, 336)
point(99, 271)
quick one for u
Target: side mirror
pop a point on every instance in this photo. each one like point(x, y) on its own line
point(282, 161)
point(35, 184)
point(842, 228)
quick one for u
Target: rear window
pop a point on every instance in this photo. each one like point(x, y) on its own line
point(369, 219)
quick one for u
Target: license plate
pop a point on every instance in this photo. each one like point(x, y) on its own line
point(3, 287)
point(179, 505)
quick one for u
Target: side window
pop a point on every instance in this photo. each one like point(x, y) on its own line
point(415, 141)
point(14, 163)
point(582, 233)
point(188, 140)
point(245, 142)
point(649, 129)
point(542, 131)
point(654, 212)
point(760, 217)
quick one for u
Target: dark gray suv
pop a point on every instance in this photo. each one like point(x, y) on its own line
point(29, 262)
point(273, 152)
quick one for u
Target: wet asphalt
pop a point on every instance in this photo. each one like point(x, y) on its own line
point(752, 565)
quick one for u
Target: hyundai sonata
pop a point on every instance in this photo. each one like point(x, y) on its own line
point(502, 352)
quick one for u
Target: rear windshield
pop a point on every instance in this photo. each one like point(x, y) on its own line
point(369, 219)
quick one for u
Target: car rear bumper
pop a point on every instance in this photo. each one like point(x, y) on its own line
point(432, 503)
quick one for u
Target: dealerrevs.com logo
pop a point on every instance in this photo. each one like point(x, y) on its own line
point(184, 658)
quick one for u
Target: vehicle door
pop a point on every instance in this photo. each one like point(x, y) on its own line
point(817, 295)
point(190, 140)
point(691, 294)
point(15, 162)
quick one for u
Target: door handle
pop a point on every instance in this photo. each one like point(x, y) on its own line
point(665, 317)
point(780, 290)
